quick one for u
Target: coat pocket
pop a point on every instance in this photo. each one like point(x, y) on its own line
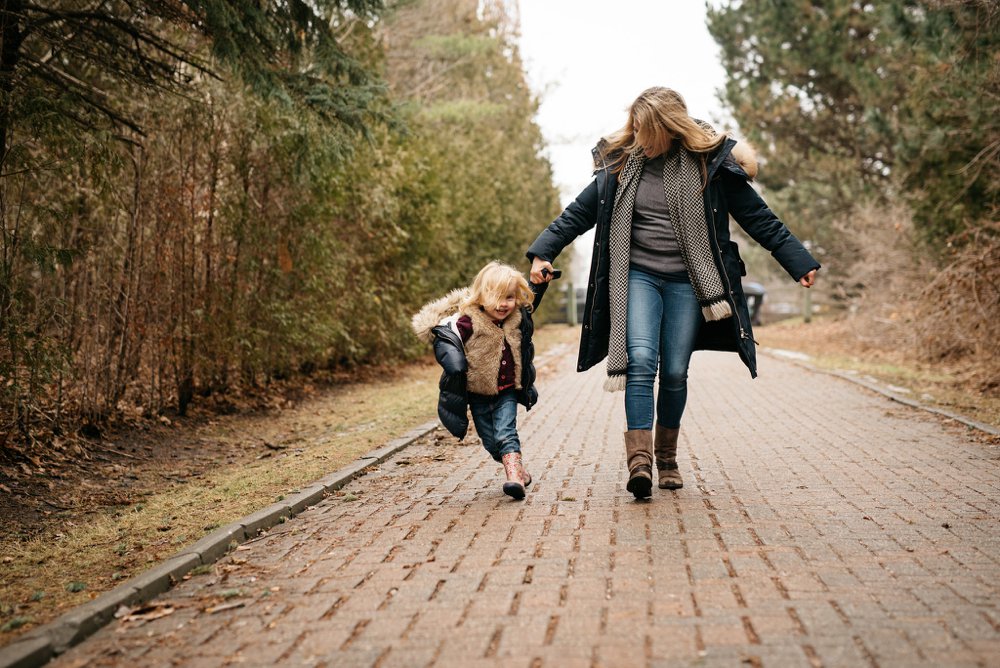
point(739, 266)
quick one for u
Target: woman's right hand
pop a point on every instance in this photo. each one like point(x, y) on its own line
point(536, 271)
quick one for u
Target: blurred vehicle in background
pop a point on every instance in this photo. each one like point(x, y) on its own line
point(755, 299)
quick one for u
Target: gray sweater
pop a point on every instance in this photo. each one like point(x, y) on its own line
point(654, 247)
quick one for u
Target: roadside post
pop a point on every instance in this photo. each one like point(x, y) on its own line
point(807, 297)
point(570, 304)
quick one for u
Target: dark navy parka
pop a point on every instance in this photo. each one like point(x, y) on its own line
point(729, 193)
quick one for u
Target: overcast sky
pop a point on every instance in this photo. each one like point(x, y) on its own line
point(588, 59)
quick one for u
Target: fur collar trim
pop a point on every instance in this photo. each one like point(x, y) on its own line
point(744, 156)
point(437, 313)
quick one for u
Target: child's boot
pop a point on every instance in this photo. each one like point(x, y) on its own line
point(639, 457)
point(514, 487)
point(666, 457)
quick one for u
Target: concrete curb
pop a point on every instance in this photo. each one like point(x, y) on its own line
point(968, 422)
point(39, 646)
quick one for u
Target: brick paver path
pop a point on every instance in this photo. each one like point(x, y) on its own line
point(819, 525)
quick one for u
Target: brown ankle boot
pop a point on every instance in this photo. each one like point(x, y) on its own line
point(639, 457)
point(514, 487)
point(666, 457)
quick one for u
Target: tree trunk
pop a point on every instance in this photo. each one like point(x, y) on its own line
point(11, 38)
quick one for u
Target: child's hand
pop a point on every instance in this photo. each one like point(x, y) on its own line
point(536, 270)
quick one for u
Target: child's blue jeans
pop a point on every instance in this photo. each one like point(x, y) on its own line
point(496, 422)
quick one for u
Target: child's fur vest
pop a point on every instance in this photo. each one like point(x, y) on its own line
point(484, 349)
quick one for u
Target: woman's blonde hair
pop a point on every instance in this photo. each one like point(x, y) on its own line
point(656, 119)
point(494, 282)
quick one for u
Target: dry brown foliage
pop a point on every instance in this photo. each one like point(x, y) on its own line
point(903, 304)
point(958, 312)
point(878, 283)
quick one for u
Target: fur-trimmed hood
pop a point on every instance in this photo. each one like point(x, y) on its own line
point(744, 156)
point(437, 312)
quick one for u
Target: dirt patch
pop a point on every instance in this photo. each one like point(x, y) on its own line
point(120, 465)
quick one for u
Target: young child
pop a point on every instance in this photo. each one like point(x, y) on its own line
point(482, 339)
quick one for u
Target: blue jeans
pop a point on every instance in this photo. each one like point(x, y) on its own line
point(663, 323)
point(496, 422)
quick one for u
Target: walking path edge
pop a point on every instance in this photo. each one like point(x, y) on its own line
point(968, 422)
point(38, 647)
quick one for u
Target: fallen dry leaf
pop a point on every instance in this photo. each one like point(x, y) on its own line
point(144, 613)
point(224, 606)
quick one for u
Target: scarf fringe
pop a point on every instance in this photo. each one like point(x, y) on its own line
point(615, 383)
point(717, 311)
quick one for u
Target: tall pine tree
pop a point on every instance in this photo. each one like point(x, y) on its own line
point(852, 98)
point(80, 61)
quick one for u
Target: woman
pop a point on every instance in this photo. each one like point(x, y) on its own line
point(665, 276)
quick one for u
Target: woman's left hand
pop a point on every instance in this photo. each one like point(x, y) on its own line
point(808, 280)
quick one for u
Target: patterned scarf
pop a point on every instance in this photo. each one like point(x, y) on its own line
point(682, 189)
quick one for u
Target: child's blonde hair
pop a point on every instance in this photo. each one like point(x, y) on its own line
point(494, 282)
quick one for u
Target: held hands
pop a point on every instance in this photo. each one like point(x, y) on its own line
point(536, 271)
point(806, 281)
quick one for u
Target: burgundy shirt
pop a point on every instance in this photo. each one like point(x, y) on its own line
point(505, 379)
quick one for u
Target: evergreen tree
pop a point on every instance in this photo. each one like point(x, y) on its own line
point(850, 98)
point(948, 124)
point(474, 143)
point(80, 61)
